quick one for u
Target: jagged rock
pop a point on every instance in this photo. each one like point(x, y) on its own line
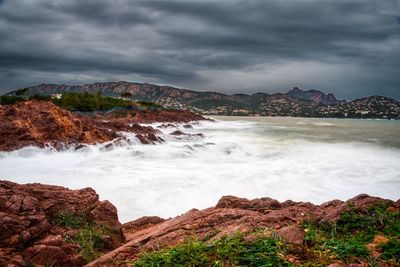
point(28, 229)
point(229, 216)
point(141, 223)
point(29, 235)
point(361, 202)
point(42, 123)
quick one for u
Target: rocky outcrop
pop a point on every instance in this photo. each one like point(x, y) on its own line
point(315, 96)
point(151, 116)
point(230, 215)
point(32, 230)
point(41, 123)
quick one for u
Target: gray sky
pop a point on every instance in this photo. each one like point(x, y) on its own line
point(348, 47)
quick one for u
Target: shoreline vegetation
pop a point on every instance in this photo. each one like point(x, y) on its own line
point(82, 102)
point(57, 226)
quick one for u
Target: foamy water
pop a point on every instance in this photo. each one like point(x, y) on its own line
point(284, 158)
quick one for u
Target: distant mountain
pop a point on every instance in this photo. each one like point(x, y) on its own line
point(314, 96)
point(152, 92)
point(296, 102)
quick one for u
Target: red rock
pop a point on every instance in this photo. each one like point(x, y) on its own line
point(293, 233)
point(27, 216)
point(141, 223)
point(42, 123)
point(333, 210)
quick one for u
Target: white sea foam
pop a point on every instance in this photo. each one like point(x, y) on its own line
point(279, 158)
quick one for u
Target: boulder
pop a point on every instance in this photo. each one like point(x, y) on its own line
point(30, 233)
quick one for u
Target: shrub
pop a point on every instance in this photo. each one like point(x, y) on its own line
point(68, 219)
point(90, 241)
point(90, 102)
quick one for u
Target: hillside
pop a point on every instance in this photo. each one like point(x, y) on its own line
point(296, 102)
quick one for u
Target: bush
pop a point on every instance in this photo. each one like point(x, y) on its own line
point(90, 102)
point(90, 241)
point(9, 100)
point(23, 91)
point(68, 219)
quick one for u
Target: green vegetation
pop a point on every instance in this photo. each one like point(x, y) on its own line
point(228, 251)
point(90, 102)
point(22, 91)
point(68, 219)
point(9, 99)
point(347, 239)
point(343, 241)
point(90, 241)
point(89, 238)
point(148, 105)
point(81, 101)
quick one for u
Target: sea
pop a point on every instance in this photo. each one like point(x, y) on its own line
point(302, 159)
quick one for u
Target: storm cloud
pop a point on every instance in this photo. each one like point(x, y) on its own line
point(348, 47)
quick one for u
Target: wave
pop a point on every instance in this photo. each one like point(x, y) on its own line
point(244, 158)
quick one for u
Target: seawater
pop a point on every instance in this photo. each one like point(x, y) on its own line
point(284, 158)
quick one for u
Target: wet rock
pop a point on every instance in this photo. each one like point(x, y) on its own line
point(42, 124)
point(177, 132)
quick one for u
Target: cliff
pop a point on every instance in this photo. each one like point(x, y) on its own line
point(45, 225)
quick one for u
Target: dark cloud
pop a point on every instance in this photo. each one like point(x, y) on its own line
point(348, 47)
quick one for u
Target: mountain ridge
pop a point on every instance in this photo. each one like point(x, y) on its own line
point(100, 85)
point(295, 102)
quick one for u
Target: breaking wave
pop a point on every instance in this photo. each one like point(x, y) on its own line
point(283, 158)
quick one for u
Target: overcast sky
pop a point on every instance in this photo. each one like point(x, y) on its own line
point(348, 47)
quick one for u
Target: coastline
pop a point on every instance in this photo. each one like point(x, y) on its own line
point(49, 227)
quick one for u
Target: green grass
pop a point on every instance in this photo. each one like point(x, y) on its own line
point(343, 241)
point(69, 220)
point(89, 236)
point(347, 239)
point(228, 251)
point(90, 241)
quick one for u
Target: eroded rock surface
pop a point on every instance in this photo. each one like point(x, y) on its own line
point(42, 123)
point(30, 232)
point(229, 216)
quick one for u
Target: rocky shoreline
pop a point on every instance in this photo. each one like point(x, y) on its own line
point(42, 123)
point(45, 225)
